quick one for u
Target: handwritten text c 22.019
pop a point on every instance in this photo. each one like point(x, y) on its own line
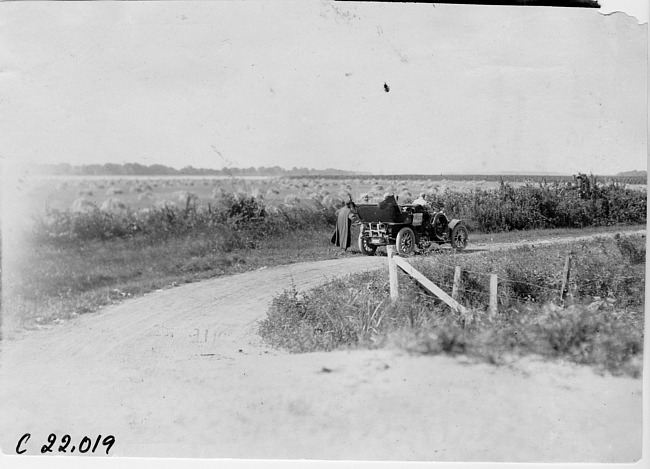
point(86, 445)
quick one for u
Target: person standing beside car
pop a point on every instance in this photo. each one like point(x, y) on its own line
point(345, 216)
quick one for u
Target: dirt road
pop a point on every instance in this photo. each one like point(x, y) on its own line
point(181, 373)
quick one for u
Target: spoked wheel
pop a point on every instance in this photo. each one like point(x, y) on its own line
point(459, 237)
point(364, 247)
point(405, 241)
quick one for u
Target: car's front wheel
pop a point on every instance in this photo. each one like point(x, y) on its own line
point(459, 237)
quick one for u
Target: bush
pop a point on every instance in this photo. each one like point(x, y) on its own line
point(331, 316)
point(237, 213)
point(545, 206)
point(245, 209)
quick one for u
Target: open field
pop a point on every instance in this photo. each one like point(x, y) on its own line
point(145, 192)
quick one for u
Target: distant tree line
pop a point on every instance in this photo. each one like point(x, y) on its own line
point(632, 177)
point(136, 169)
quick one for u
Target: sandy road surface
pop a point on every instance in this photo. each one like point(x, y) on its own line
point(181, 373)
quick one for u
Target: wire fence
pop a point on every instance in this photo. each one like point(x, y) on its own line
point(510, 290)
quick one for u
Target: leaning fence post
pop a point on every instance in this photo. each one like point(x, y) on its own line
point(565, 276)
point(392, 273)
point(494, 283)
point(456, 287)
point(429, 285)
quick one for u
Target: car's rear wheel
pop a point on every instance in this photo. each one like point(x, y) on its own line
point(405, 241)
point(459, 237)
point(365, 247)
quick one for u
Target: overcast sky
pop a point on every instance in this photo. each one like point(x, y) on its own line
point(214, 84)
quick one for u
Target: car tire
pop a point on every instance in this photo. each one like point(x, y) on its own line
point(405, 242)
point(365, 247)
point(459, 237)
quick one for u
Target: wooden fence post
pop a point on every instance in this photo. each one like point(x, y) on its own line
point(429, 285)
point(392, 273)
point(565, 276)
point(456, 287)
point(494, 285)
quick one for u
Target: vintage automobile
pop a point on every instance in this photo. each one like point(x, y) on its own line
point(407, 226)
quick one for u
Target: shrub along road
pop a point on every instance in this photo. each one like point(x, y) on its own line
point(182, 373)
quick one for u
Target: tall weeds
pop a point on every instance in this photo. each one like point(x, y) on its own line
point(602, 324)
point(545, 205)
point(234, 216)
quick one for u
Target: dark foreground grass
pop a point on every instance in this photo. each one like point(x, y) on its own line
point(55, 282)
point(602, 324)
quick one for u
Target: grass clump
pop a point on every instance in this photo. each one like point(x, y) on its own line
point(303, 322)
point(602, 325)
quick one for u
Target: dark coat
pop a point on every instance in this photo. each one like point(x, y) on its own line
point(343, 234)
point(389, 201)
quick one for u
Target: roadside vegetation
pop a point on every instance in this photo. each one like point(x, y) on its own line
point(601, 323)
point(554, 205)
point(586, 203)
point(78, 259)
point(77, 262)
